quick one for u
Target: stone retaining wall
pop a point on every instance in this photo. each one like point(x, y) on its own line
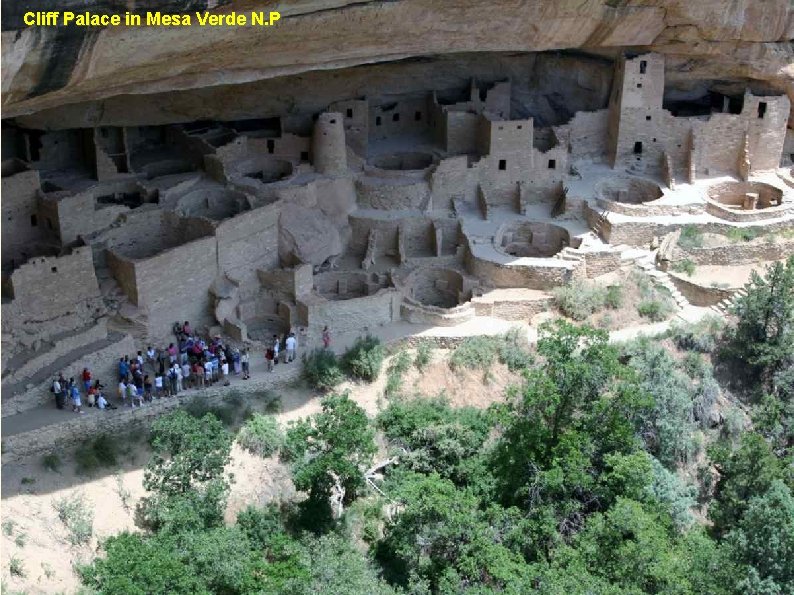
point(736, 254)
point(123, 420)
point(700, 295)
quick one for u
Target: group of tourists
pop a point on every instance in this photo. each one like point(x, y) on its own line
point(190, 362)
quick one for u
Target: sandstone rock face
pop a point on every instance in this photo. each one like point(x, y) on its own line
point(44, 68)
point(307, 236)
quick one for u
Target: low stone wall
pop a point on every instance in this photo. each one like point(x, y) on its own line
point(55, 437)
point(522, 310)
point(601, 263)
point(540, 276)
point(736, 254)
point(700, 295)
point(722, 212)
point(641, 233)
point(647, 209)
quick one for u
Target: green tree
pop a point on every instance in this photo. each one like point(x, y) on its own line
point(330, 452)
point(764, 334)
point(441, 540)
point(185, 473)
point(763, 542)
point(579, 406)
point(745, 473)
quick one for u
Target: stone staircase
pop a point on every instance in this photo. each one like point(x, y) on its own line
point(570, 254)
point(724, 307)
point(661, 279)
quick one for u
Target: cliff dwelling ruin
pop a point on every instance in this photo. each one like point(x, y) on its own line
point(418, 203)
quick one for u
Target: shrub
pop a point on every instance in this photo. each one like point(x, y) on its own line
point(742, 234)
point(51, 462)
point(514, 351)
point(20, 540)
point(364, 359)
point(321, 369)
point(8, 527)
point(102, 451)
point(16, 568)
point(613, 298)
point(474, 353)
point(77, 516)
point(424, 354)
point(261, 435)
point(694, 365)
point(394, 375)
point(655, 309)
point(579, 300)
point(701, 336)
point(691, 237)
point(685, 266)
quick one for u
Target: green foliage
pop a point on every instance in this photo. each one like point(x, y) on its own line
point(480, 352)
point(16, 567)
point(331, 449)
point(424, 355)
point(762, 543)
point(321, 369)
point(364, 359)
point(185, 473)
point(514, 350)
point(745, 473)
point(655, 309)
point(444, 542)
point(96, 453)
point(685, 266)
point(261, 435)
point(474, 353)
point(394, 374)
point(764, 335)
point(51, 461)
point(742, 234)
point(669, 426)
point(8, 527)
point(614, 297)
point(435, 438)
point(77, 516)
point(578, 300)
point(628, 549)
point(691, 237)
point(581, 405)
point(701, 336)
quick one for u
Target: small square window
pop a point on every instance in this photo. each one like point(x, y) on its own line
point(648, 118)
point(417, 116)
point(639, 85)
point(654, 139)
point(395, 117)
point(552, 164)
point(519, 126)
point(638, 148)
point(349, 113)
point(502, 164)
point(304, 155)
point(54, 269)
point(332, 121)
point(377, 120)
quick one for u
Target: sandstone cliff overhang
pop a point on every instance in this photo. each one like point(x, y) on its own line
point(45, 68)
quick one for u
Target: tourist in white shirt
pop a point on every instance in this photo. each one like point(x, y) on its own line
point(292, 344)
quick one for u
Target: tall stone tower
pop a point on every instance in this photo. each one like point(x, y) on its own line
point(329, 153)
point(635, 109)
